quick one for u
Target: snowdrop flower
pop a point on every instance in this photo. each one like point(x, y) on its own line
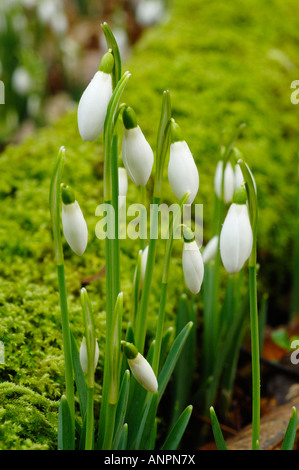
point(182, 172)
point(84, 358)
point(137, 154)
point(94, 101)
point(140, 368)
point(73, 223)
point(193, 266)
point(122, 186)
point(229, 183)
point(236, 236)
point(149, 12)
point(210, 251)
point(22, 81)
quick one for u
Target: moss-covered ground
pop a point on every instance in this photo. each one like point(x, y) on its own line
point(224, 63)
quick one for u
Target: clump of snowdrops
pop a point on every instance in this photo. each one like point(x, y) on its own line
point(134, 380)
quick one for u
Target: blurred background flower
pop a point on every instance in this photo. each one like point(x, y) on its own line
point(49, 50)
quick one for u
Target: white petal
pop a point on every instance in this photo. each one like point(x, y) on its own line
point(229, 184)
point(93, 106)
point(74, 227)
point(143, 373)
point(83, 356)
point(210, 251)
point(193, 267)
point(137, 156)
point(182, 172)
point(236, 238)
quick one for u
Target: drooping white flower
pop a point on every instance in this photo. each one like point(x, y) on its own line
point(193, 266)
point(122, 186)
point(210, 251)
point(236, 238)
point(73, 222)
point(182, 171)
point(229, 183)
point(137, 154)
point(84, 358)
point(140, 368)
point(94, 101)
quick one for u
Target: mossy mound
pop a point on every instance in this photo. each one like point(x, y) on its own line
point(223, 63)
point(24, 416)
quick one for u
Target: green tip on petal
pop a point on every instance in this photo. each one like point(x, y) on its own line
point(175, 131)
point(67, 195)
point(130, 350)
point(188, 235)
point(107, 63)
point(240, 195)
point(129, 118)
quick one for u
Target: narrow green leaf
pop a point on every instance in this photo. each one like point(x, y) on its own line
point(65, 426)
point(172, 358)
point(122, 442)
point(218, 436)
point(54, 201)
point(174, 437)
point(79, 377)
point(183, 375)
point(121, 407)
point(163, 139)
point(144, 436)
point(289, 438)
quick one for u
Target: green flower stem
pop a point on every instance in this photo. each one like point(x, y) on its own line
point(69, 379)
point(255, 354)
point(89, 419)
point(55, 209)
point(254, 325)
point(115, 240)
point(141, 320)
point(163, 296)
point(162, 146)
point(111, 252)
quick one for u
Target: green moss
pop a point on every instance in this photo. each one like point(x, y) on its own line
point(220, 62)
point(24, 415)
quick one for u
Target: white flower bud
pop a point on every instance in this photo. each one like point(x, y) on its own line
point(182, 172)
point(229, 183)
point(84, 358)
point(137, 156)
point(93, 106)
point(236, 238)
point(193, 266)
point(143, 373)
point(140, 368)
point(210, 251)
point(74, 227)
